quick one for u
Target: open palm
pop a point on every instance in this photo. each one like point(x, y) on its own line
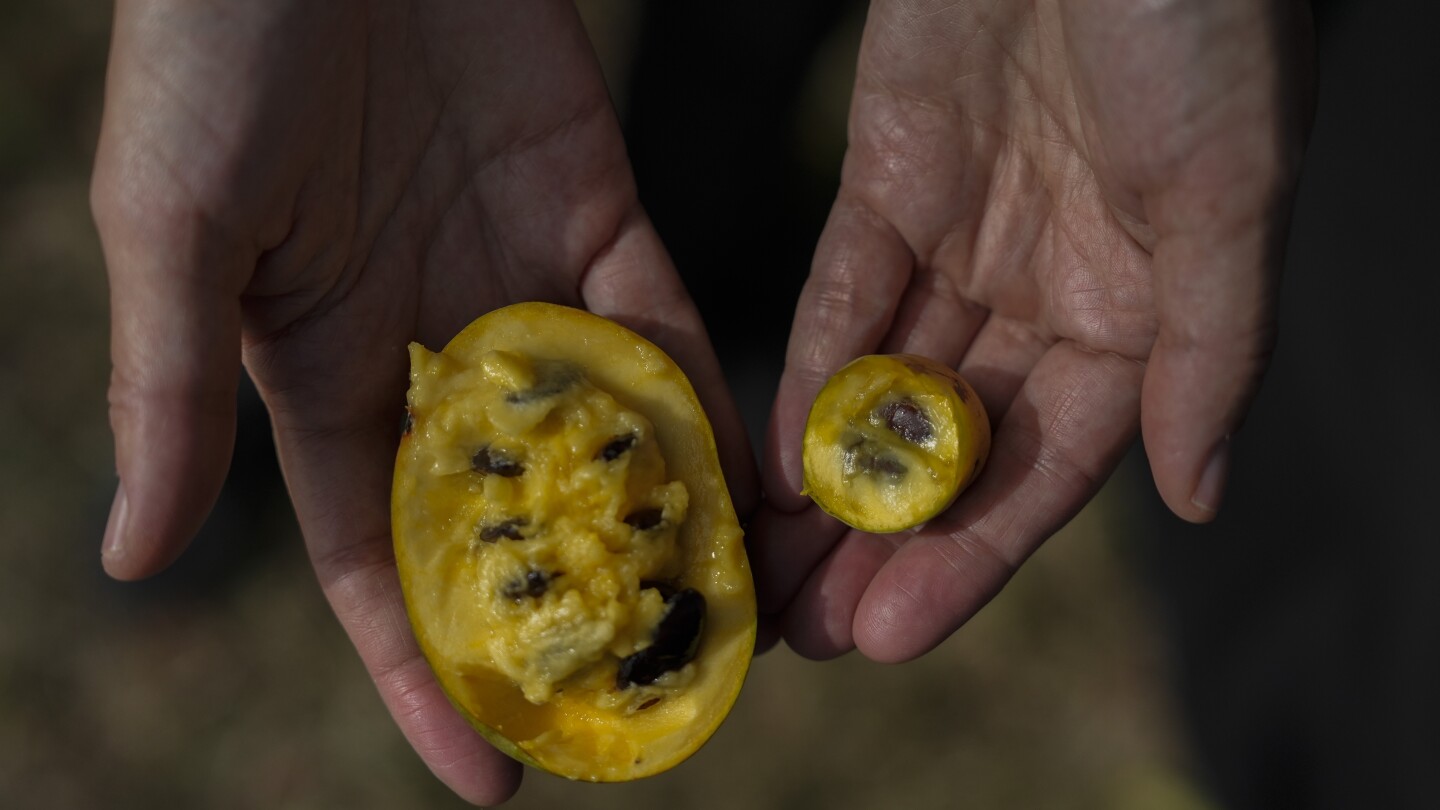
point(1080, 206)
point(308, 187)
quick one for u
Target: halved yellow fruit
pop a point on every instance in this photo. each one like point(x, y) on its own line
point(571, 560)
point(892, 440)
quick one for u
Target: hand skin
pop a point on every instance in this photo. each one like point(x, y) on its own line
point(1080, 205)
point(307, 187)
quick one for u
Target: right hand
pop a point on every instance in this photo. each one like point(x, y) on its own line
point(309, 187)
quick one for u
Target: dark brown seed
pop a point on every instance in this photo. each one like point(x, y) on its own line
point(673, 642)
point(884, 465)
point(496, 462)
point(645, 519)
point(534, 585)
point(617, 447)
point(647, 704)
point(862, 457)
point(508, 529)
point(908, 420)
point(407, 422)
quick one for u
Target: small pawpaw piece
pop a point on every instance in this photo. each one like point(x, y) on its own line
point(571, 561)
point(892, 440)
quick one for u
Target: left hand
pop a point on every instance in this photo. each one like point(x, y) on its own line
point(307, 187)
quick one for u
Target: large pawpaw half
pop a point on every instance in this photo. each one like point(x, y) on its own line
point(571, 560)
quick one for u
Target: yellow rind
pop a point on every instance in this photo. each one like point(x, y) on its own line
point(643, 378)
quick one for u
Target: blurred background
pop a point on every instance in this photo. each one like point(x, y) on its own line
point(1284, 657)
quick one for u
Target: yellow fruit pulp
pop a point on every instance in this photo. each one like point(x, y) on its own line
point(557, 467)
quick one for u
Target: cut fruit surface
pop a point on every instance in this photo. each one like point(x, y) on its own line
point(892, 440)
point(571, 561)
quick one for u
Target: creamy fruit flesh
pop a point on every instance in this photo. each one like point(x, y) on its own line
point(583, 600)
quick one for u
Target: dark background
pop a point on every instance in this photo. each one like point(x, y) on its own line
point(1285, 657)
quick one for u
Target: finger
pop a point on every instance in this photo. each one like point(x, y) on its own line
point(175, 349)
point(935, 320)
point(1215, 299)
point(339, 478)
point(1217, 198)
point(1063, 435)
point(999, 359)
point(862, 266)
point(819, 622)
point(633, 282)
point(784, 548)
point(767, 633)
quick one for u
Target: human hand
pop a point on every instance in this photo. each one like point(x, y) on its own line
point(1082, 207)
point(308, 187)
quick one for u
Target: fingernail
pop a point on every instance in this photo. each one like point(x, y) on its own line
point(1212, 479)
point(113, 546)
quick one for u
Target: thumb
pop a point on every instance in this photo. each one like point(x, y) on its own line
point(175, 349)
point(175, 283)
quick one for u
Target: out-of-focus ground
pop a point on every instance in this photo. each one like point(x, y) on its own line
point(226, 683)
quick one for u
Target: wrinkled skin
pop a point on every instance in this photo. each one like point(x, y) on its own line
point(305, 188)
point(1081, 206)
